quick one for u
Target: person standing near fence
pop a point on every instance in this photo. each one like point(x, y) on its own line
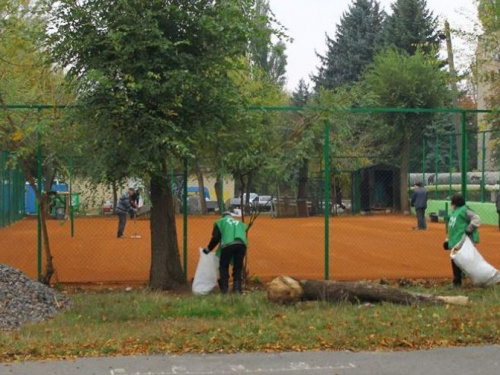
point(231, 234)
point(123, 208)
point(463, 222)
point(419, 201)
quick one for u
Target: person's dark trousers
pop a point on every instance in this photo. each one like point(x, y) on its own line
point(421, 218)
point(237, 253)
point(457, 274)
point(122, 220)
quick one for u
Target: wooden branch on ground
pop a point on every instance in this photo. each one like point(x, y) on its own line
point(284, 289)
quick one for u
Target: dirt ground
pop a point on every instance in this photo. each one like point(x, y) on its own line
point(361, 247)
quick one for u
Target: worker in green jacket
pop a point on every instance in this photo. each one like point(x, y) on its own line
point(231, 234)
point(462, 222)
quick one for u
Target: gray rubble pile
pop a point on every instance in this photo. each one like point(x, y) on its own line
point(24, 300)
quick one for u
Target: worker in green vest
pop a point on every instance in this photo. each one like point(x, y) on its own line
point(462, 222)
point(231, 235)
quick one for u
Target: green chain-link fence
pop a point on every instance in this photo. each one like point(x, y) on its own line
point(333, 211)
point(12, 199)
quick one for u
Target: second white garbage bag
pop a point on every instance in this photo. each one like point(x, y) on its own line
point(207, 273)
point(472, 263)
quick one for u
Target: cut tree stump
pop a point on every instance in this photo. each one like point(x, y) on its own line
point(285, 289)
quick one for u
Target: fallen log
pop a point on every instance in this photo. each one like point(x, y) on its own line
point(285, 289)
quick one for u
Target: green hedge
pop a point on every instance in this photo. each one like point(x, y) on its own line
point(487, 211)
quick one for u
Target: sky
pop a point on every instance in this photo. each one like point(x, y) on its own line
point(308, 22)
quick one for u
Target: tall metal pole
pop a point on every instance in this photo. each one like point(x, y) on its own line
point(221, 203)
point(326, 155)
point(464, 155)
point(71, 208)
point(483, 182)
point(3, 163)
point(39, 206)
point(450, 167)
point(436, 166)
point(222, 193)
point(424, 161)
point(454, 89)
point(184, 218)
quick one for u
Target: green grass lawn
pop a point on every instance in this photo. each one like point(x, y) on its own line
point(143, 322)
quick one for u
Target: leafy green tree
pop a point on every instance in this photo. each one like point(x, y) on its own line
point(489, 13)
point(265, 67)
point(301, 95)
point(300, 98)
point(486, 75)
point(411, 27)
point(27, 79)
point(266, 54)
point(354, 46)
point(398, 80)
point(151, 74)
point(250, 141)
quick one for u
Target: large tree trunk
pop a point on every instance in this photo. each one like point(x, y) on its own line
point(47, 187)
point(302, 190)
point(284, 289)
point(166, 271)
point(403, 176)
point(46, 276)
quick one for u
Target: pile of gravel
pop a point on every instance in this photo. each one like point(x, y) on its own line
point(24, 300)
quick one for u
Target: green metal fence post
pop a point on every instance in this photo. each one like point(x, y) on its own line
point(13, 195)
point(10, 219)
point(483, 160)
point(184, 217)
point(71, 208)
point(327, 198)
point(446, 216)
point(221, 208)
point(3, 155)
point(464, 155)
point(39, 206)
point(450, 166)
point(436, 164)
point(424, 160)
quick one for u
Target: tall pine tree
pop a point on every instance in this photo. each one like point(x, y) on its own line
point(411, 26)
point(265, 54)
point(353, 47)
point(301, 95)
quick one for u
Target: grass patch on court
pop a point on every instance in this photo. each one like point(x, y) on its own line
point(143, 322)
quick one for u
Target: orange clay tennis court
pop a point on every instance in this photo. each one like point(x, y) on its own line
point(361, 247)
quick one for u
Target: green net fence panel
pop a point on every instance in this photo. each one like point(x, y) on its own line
point(12, 186)
point(330, 203)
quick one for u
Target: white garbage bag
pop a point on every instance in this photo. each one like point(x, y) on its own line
point(207, 273)
point(472, 263)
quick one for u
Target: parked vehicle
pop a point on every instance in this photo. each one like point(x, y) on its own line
point(236, 203)
point(265, 202)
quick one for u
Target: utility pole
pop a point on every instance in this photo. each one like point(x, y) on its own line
point(454, 93)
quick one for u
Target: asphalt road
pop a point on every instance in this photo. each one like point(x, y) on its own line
point(444, 361)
